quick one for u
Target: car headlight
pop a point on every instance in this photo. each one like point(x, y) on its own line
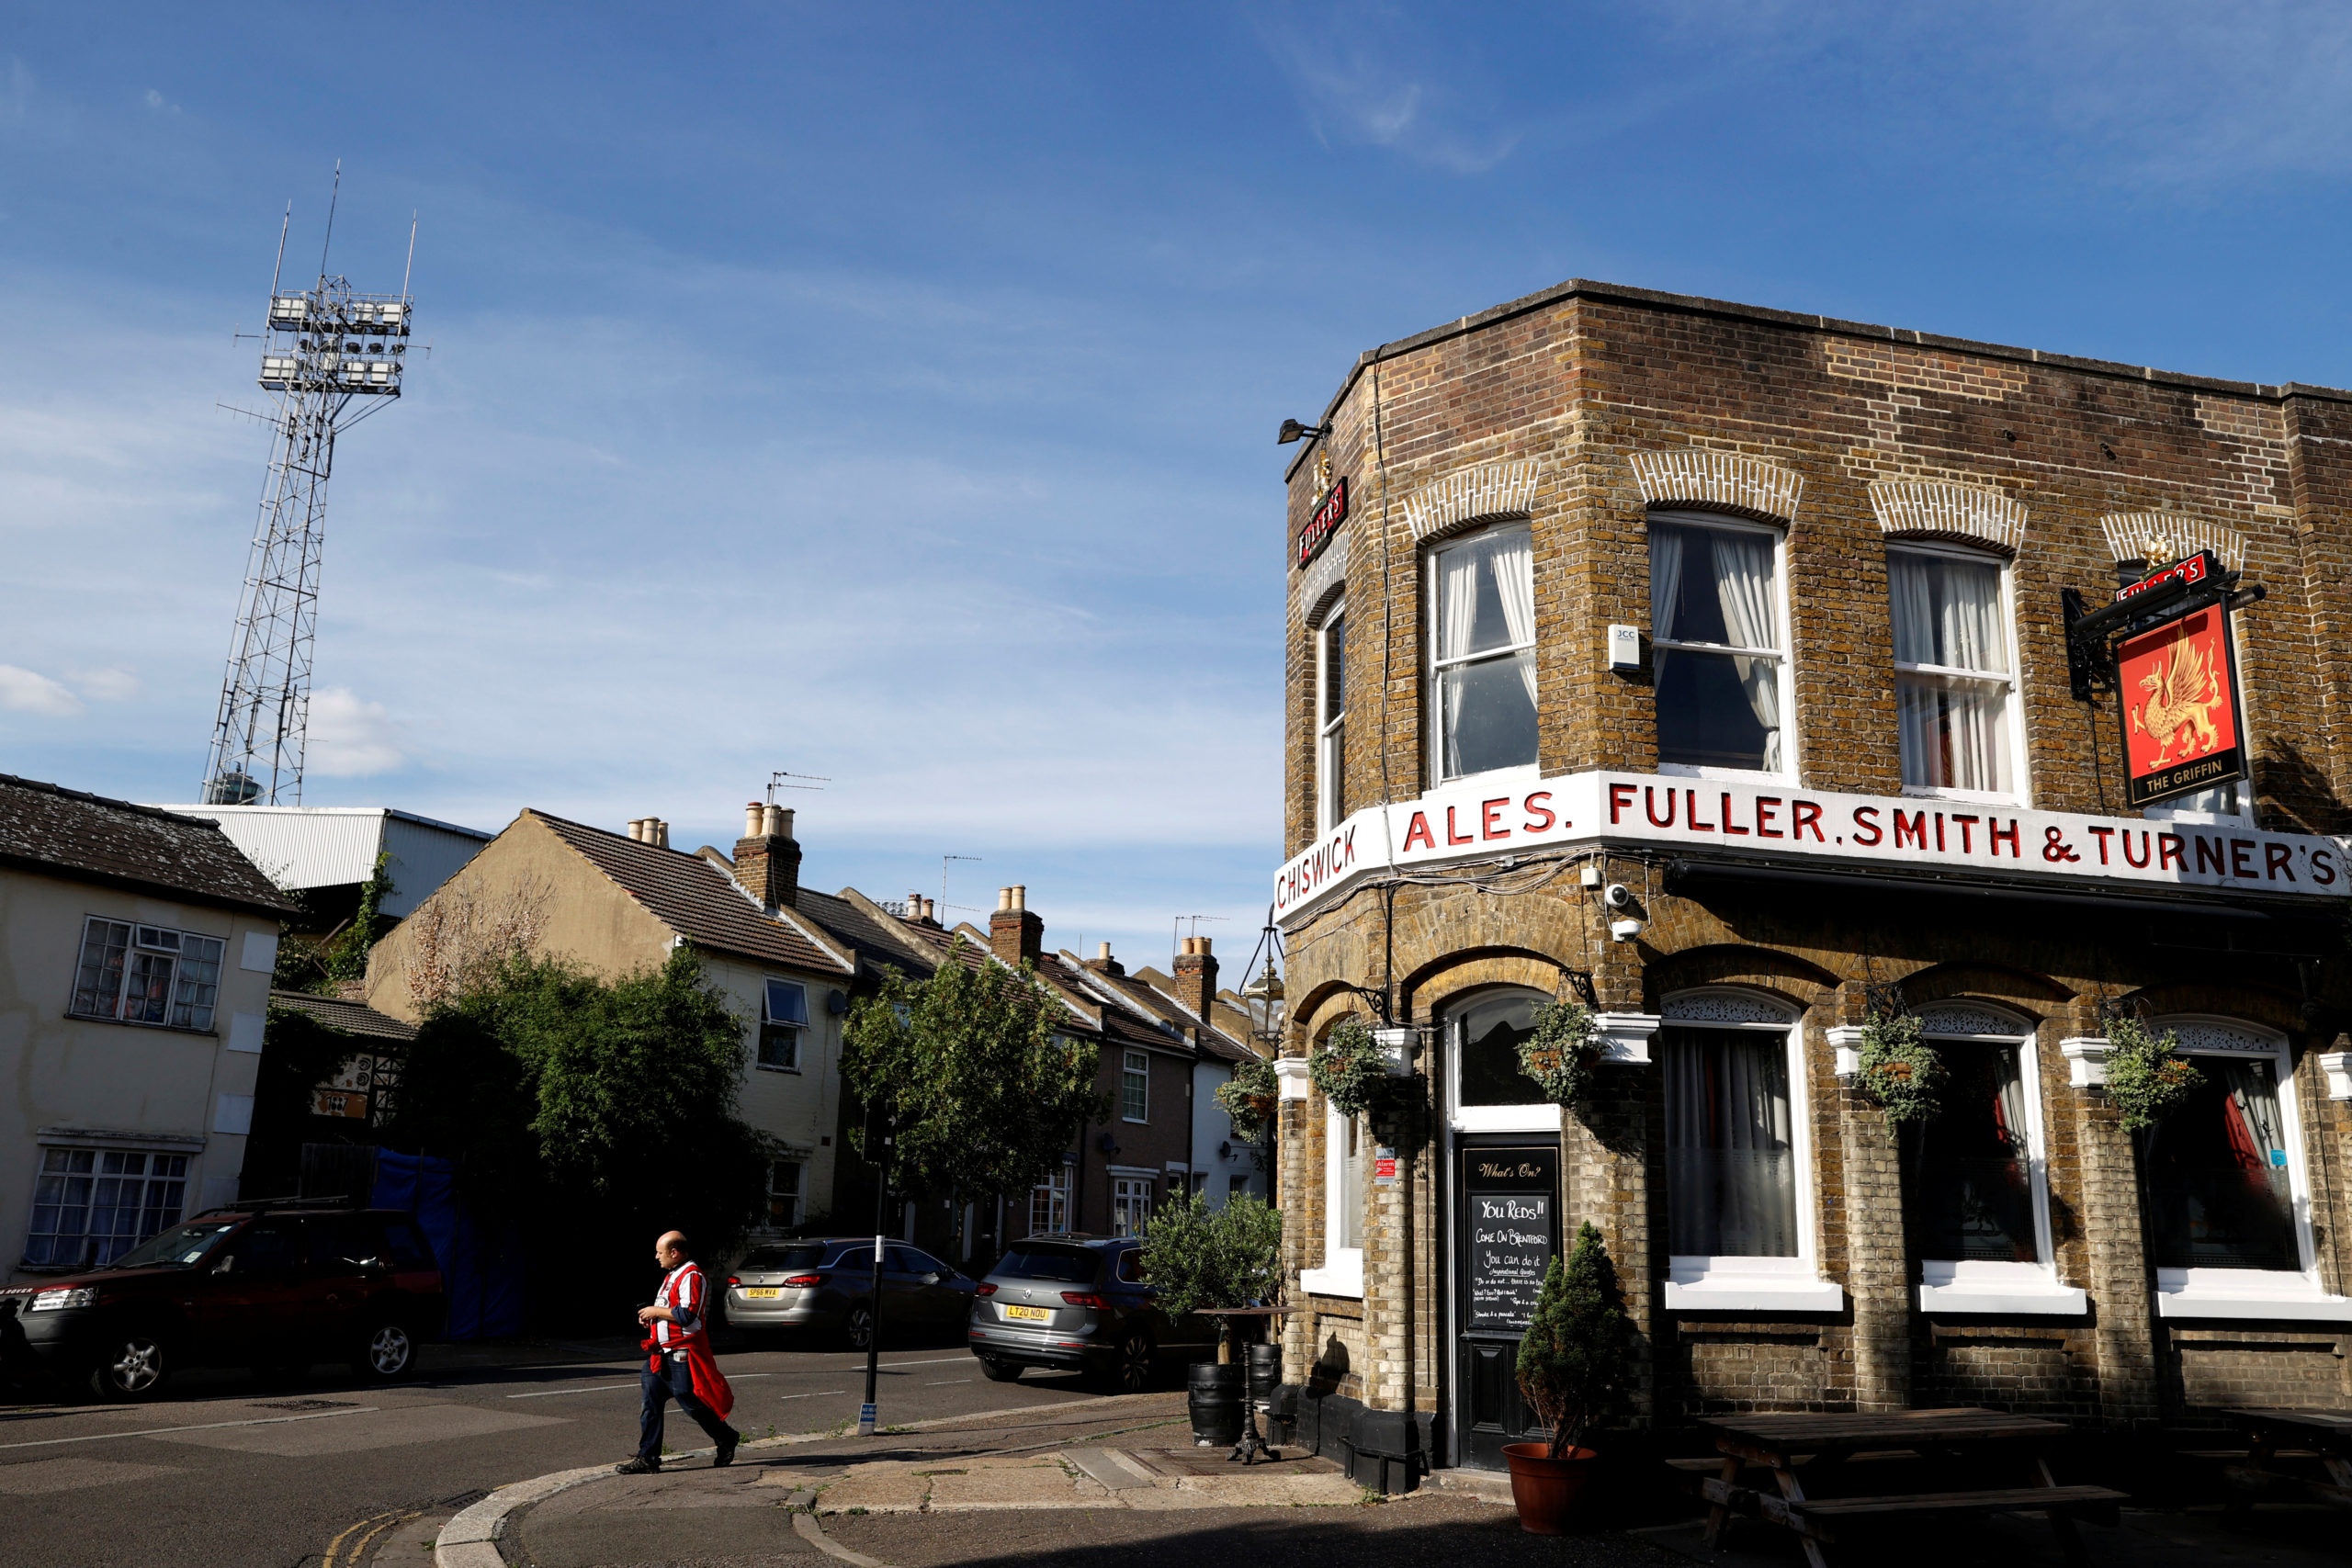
point(79, 1296)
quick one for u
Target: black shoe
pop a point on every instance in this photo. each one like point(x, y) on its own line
point(726, 1454)
point(638, 1467)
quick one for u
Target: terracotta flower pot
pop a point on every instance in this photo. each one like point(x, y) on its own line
point(1546, 1489)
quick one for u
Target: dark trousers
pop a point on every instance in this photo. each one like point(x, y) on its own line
point(674, 1381)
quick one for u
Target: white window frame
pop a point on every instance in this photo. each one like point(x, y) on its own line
point(98, 1154)
point(1342, 1270)
point(1330, 733)
point(1054, 1190)
point(1126, 1192)
point(2265, 1293)
point(2013, 710)
point(146, 941)
point(795, 1031)
point(1787, 657)
point(1435, 723)
point(1699, 1283)
point(1538, 1115)
point(1984, 1284)
point(1134, 1065)
point(799, 1193)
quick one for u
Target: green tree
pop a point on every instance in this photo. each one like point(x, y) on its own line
point(1198, 1256)
point(1573, 1365)
point(985, 1090)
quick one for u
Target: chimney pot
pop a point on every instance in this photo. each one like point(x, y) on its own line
point(753, 811)
point(1004, 899)
point(1105, 954)
point(930, 909)
point(662, 833)
point(1019, 894)
point(635, 827)
point(779, 822)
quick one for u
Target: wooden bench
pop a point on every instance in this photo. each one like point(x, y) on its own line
point(1811, 1517)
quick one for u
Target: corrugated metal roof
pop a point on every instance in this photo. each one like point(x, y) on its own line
point(335, 846)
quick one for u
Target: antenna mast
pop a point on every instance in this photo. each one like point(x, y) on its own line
point(325, 351)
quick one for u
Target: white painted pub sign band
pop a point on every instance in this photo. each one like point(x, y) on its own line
point(1481, 820)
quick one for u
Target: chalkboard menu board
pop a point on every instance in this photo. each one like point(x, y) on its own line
point(1510, 1200)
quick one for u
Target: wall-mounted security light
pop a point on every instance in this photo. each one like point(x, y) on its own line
point(1293, 431)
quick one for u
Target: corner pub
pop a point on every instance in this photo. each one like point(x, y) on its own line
point(1747, 676)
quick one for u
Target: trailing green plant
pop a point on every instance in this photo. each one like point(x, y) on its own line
point(1248, 1097)
point(1352, 1072)
point(1561, 1053)
point(1575, 1361)
point(1900, 1070)
point(1195, 1257)
point(344, 954)
point(2144, 1078)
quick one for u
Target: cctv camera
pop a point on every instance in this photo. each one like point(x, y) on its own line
point(1624, 931)
point(1618, 896)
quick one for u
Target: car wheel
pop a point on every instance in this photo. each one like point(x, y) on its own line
point(996, 1371)
point(388, 1352)
point(133, 1366)
point(860, 1327)
point(1130, 1368)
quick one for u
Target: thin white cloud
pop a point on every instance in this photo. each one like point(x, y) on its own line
point(1354, 94)
point(22, 691)
point(112, 684)
point(350, 739)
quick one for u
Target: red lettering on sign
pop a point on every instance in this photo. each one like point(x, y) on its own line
point(1649, 805)
point(1690, 813)
point(2103, 834)
point(1729, 826)
point(1939, 831)
point(2140, 860)
point(1994, 833)
point(1911, 824)
point(1966, 842)
point(1533, 811)
point(1860, 827)
point(2322, 868)
point(2168, 850)
point(1620, 797)
point(2277, 858)
point(1452, 836)
point(2209, 852)
point(2239, 865)
point(1418, 832)
point(1767, 808)
point(1490, 818)
point(1805, 814)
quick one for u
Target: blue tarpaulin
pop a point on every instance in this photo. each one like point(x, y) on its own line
point(481, 1268)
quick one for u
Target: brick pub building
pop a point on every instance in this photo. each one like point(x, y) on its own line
point(1710, 662)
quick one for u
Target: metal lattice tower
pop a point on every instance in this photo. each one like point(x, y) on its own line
point(325, 353)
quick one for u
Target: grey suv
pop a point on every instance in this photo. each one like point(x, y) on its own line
point(829, 1286)
point(1077, 1303)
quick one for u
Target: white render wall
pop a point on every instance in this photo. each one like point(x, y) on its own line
point(1211, 1127)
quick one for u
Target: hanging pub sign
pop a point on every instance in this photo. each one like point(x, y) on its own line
point(2201, 567)
point(2178, 683)
point(1329, 513)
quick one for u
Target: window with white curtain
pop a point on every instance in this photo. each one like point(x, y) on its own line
point(1731, 1176)
point(1332, 722)
point(1955, 672)
point(1482, 606)
point(1720, 655)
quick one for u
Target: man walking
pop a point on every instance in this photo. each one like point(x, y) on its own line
point(679, 1366)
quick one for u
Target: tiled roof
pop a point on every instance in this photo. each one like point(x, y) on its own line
point(350, 1016)
point(1218, 1041)
point(90, 838)
point(696, 898)
point(869, 936)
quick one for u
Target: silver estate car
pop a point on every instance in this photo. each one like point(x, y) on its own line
point(1073, 1302)
point(828, 1287)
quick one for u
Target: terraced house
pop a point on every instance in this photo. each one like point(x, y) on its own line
point(1745, 676)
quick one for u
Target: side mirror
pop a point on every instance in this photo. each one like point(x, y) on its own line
point(934, 1278)
point(225, 1265)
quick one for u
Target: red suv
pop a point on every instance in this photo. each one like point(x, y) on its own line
point(271, 1289)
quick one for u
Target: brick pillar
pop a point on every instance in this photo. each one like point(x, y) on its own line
point(1878, 1260)
point(2122, 1314)
point(1015, 936)
point(767, 858)
point(1197, 976)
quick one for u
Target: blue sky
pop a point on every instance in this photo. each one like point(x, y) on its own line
point(887, 393)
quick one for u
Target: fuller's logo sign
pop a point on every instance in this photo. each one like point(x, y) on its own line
point(2180, 719)
point(1329, 513)
point(1781, 822)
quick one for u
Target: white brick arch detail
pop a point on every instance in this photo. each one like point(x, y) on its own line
point(1970, 1018)
point(2129, 533)
point(1472, 495)
point(1949, 511)
point(1719, 481)
point(1327, 580)
point(1725, 1006)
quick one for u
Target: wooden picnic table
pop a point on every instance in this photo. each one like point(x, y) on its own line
point(1810, 1456)
point(2326, 1435)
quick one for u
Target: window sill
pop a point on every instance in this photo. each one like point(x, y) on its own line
point(1706, 770)
point(1963, 797)
point(2045, 1301)
point(1343, 1275)
point(1754, 1293)
point(770, 1067)
point(2273, 1306)
point(207, 1033)
point(1136, 1120)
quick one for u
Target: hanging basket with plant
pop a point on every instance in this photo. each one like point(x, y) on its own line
point(1249, 1098)
point(1899, 1070)
point(1561, 1052)
point(2144, 1078)
point(1352, 1072)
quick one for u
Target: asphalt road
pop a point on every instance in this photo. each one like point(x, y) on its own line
point(224, 1472)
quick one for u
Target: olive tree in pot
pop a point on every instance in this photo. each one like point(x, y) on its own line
point(1195, 1257)
point(1574, 1364)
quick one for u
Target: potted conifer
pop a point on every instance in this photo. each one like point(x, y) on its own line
point(1573, 1367)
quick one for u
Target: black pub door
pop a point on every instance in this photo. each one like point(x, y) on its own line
point(1507, 1228)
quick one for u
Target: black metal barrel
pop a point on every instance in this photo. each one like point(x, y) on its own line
point(1213, 1395)
point(1265, 1372)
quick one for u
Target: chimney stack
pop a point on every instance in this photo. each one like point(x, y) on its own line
point(1197, 976)
point(1015, 936)
point(767, 858)
point(649, 830)
point(1103, 963)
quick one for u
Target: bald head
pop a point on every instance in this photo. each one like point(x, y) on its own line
point(671, 1249)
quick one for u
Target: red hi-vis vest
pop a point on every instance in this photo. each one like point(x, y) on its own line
point(685, 1293)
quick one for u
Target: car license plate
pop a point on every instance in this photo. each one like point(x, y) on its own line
point(754, 1293)
point(1033, 1314)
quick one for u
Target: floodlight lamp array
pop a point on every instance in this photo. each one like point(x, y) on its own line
point(335, 342)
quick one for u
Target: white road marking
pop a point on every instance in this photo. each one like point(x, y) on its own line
point(552, 1393)
point(206, 1427)
point(818, 1394)
point(948, 1384)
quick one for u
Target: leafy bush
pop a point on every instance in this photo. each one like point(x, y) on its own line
point(1900, 1070)
point(1352, 1072)
point(1249, 1098)
point(1560, 1053)
point(2144, 1079)
point(1574, 1362)
point(1198, 1256)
